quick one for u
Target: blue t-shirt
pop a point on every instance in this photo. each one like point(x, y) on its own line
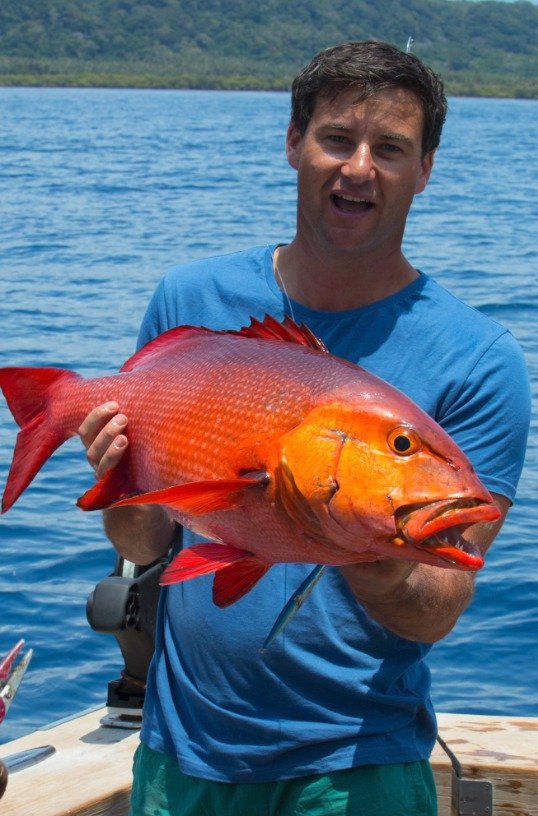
point(335, 689)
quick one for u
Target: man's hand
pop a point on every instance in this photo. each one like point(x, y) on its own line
point(102, 434)
point(418, 601)
point(140, 534)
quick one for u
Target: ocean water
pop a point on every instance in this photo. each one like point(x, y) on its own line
point(100, 192)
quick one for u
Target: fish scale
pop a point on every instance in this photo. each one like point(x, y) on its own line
point(269, 446)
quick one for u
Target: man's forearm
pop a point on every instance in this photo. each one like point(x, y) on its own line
point(424, 606)
point(139, 534)
point(417, 601)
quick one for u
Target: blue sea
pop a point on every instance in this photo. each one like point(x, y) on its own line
point(100, 192)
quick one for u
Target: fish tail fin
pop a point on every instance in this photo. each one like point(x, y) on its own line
point(29, 395)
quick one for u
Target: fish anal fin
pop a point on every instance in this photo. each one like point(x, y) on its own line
point(113, 487)
point(234, 581)
point(202, 559)
point(197, 498)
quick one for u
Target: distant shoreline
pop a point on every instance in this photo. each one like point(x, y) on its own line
point(479, 89)
point(480, 49)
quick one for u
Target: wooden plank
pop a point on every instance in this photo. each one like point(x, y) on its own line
point(89, 775)
point(501, 750)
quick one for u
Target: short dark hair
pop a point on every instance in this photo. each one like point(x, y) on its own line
point(369, 66)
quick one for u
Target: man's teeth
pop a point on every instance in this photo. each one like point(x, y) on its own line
point(353, 199)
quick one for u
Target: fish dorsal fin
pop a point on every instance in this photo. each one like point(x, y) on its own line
point(289, 331)
point(267, 329)
point(159, 345)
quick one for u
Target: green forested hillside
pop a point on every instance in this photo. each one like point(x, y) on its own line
point(479, 48)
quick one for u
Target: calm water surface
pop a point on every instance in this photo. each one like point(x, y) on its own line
point(100, 192)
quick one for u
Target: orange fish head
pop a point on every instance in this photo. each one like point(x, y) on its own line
point(376, 484)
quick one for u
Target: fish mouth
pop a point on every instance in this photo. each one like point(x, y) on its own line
point(437, 528)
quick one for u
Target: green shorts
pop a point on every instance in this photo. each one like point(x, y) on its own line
point(406, 789)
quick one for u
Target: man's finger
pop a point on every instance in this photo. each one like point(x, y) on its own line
point(112, 456)
point(96, 420)
point(108, 444)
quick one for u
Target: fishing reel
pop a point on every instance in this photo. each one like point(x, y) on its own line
point(125, 605)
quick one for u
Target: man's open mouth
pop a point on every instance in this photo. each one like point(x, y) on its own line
point(351, 204)
point(438, 528)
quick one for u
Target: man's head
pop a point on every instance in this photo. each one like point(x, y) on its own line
point(369, 67)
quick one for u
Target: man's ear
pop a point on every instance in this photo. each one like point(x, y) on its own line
point(426, 165)
point(293, 145)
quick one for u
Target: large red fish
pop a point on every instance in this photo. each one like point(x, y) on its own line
point(269, 446)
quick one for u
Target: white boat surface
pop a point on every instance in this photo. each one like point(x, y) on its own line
point(485, 766)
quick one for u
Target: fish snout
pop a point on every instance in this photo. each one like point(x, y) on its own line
point(437, 528)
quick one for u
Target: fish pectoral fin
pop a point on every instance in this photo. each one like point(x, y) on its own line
point(202, 559)
point(295, 504)
point(236, 580)
point(197, 498)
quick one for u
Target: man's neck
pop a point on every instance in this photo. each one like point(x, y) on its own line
point(339, 284)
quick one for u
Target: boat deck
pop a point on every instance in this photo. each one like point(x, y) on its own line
point(90, 772)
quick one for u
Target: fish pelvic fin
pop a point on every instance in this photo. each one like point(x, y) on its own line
point(234, 581)
point(29, 393)
point(192, 498)
point(202, 559)
point(236, 570)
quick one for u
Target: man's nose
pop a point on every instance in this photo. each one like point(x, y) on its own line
point(360, 165)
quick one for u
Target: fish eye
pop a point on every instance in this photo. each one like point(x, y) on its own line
point(404, 441)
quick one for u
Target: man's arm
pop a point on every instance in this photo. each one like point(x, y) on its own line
point(417, 601)
point(140, 534)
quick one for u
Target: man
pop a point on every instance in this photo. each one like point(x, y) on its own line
point(335, 717)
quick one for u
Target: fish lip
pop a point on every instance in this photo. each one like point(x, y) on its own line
point(437, 527)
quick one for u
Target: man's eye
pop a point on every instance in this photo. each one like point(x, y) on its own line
point(388, 147)
point(337, 138)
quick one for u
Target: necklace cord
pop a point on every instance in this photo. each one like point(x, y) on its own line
point(282, 286)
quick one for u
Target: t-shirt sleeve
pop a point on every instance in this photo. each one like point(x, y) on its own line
point(489, 418)
point(156, 319)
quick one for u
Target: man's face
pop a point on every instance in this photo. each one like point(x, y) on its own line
point(359, 165)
